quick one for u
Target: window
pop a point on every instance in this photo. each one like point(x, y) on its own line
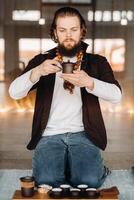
point(98, 16)
point(28, 48)
point(106, 16)
point(2, 59)
point(116, 16)
point(26, 15)
point(112, 49)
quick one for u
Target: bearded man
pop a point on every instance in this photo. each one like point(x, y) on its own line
point(68, 131)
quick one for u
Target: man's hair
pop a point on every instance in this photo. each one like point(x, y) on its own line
point(67, 11)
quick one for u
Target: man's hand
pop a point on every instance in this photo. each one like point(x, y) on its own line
point(47, 67)
point(79, 78)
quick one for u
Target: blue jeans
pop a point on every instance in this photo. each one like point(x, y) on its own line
point(68, 158)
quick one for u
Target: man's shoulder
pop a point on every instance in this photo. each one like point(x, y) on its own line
point(45, 54)
point(39, 58)
point(50, 51)
point(96, 57)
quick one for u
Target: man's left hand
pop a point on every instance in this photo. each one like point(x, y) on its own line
point(79, 78)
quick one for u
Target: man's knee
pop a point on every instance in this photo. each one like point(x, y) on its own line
point(92, 181)
point(49, 180)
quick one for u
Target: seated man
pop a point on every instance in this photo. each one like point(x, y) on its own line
point(68, 131)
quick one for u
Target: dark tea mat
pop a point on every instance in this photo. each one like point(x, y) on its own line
point(123, 179)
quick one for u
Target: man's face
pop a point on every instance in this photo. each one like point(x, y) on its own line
point(68, 31)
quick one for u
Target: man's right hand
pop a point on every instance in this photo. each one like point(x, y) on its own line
point(47, 67)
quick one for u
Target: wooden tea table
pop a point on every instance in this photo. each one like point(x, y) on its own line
point(37, 196)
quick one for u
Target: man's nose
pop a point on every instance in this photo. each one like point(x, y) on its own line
point(68, 34)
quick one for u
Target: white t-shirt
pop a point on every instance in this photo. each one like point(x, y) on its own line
point(66, 110)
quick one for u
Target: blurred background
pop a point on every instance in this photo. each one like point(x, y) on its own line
point(24, 33)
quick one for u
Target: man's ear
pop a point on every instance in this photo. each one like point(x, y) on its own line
point(55, 35)
point(81, 35)
point(83, 32)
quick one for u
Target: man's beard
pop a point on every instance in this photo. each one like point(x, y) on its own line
point(69, 52)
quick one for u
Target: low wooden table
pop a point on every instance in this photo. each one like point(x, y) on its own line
point(37, 196)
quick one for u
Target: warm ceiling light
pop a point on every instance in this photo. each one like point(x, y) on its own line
point(41, 21)
point(124, 22)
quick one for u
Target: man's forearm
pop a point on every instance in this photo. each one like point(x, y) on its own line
point(107, 91)
point(20, 87)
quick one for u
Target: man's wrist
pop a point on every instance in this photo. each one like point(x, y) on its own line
point(90, 84)
point(34, 76)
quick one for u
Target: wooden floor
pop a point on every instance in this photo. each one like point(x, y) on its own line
point(15, 130)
